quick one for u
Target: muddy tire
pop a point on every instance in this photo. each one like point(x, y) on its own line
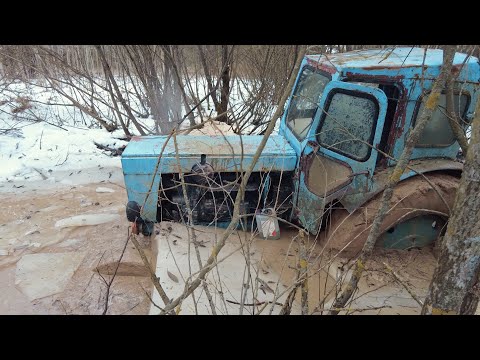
point(147, 228)
point(412, 198)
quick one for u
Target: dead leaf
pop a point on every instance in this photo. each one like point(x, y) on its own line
point(171, 276)
point(267, 289)
point(264, 286)
point(199, 243)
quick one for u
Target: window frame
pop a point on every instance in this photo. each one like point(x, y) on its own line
point(315, 70)
point(355, 93)
point(417, 109)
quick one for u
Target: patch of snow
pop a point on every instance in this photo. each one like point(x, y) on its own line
point(51, 208)
point(71, 242)
point(86, 220)
point(104, 190)
point(31, 232)
point(22, 246)
point(70, 150)
point(214, 128)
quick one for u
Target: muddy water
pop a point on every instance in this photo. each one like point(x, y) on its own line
point(27, 226)
point(379, 291)
point(276, 263)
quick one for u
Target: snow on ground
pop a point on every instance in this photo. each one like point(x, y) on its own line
point(61, 140)
point(41, 148)
point(49, 135)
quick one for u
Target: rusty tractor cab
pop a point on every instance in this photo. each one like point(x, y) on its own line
point(346, 122)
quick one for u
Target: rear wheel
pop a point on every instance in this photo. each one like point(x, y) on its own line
point(418, 216)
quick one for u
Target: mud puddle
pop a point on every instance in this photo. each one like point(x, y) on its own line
point(36, 247)
point(27, 228)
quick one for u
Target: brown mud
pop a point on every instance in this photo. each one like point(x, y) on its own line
point(27, 227)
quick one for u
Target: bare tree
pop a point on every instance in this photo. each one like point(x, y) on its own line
point(122, 86)
point(394, 179)
point(455, 285)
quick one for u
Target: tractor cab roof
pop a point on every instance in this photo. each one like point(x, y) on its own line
point(406, 60)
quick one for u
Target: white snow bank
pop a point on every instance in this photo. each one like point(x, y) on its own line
point(86, 220)
point(36, 150)
point(104, 190)
point(47, 148)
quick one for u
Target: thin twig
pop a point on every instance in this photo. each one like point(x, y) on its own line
point(431, 105)
point(255, 304)
point(236, 212)
point(190, 228)
point(401, 282)
point(113, 277)
point(153, 276)
point(302, 271)
point(151, 300)
point(348, 309)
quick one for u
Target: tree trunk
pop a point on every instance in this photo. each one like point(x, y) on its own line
point(114, 101)
point(394, 179)
point(117, 90)
point(181, 88)
point(452, 114)
point(455, 285)
point(224, 96)
point(208, 76)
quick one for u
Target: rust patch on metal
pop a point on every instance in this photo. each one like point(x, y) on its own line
point(304, 161)
point(378, 78)
point(399, 118)
point(389, 67)
point(322, 66)
point(456, 68)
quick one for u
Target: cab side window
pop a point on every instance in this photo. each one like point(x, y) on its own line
point(437, 132)
point(348, 125)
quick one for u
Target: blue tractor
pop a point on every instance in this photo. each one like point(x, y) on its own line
point(344, 125)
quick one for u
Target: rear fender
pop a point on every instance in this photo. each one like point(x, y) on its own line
point(352, 199)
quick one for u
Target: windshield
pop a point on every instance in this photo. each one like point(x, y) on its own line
point(304, 103)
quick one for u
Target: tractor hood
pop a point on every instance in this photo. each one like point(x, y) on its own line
point(230, 153)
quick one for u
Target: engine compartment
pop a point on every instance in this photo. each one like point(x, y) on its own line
point(211, 195)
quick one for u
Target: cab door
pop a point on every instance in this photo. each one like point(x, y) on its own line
point(337, 155)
